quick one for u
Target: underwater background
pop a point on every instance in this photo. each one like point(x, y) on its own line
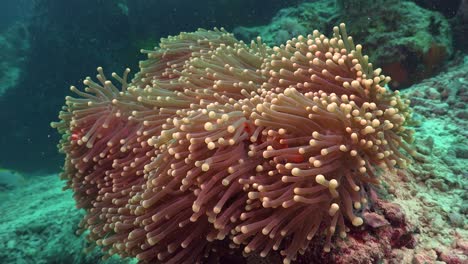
point(48, 45)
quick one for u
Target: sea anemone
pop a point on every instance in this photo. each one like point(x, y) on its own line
point(216, 140)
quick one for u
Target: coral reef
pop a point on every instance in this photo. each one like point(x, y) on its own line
point(410, 43)
point(217, 141)
point(10, 179)
point(433, 192)
point(293, 21)
point(432, 212)
point(38, 225)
